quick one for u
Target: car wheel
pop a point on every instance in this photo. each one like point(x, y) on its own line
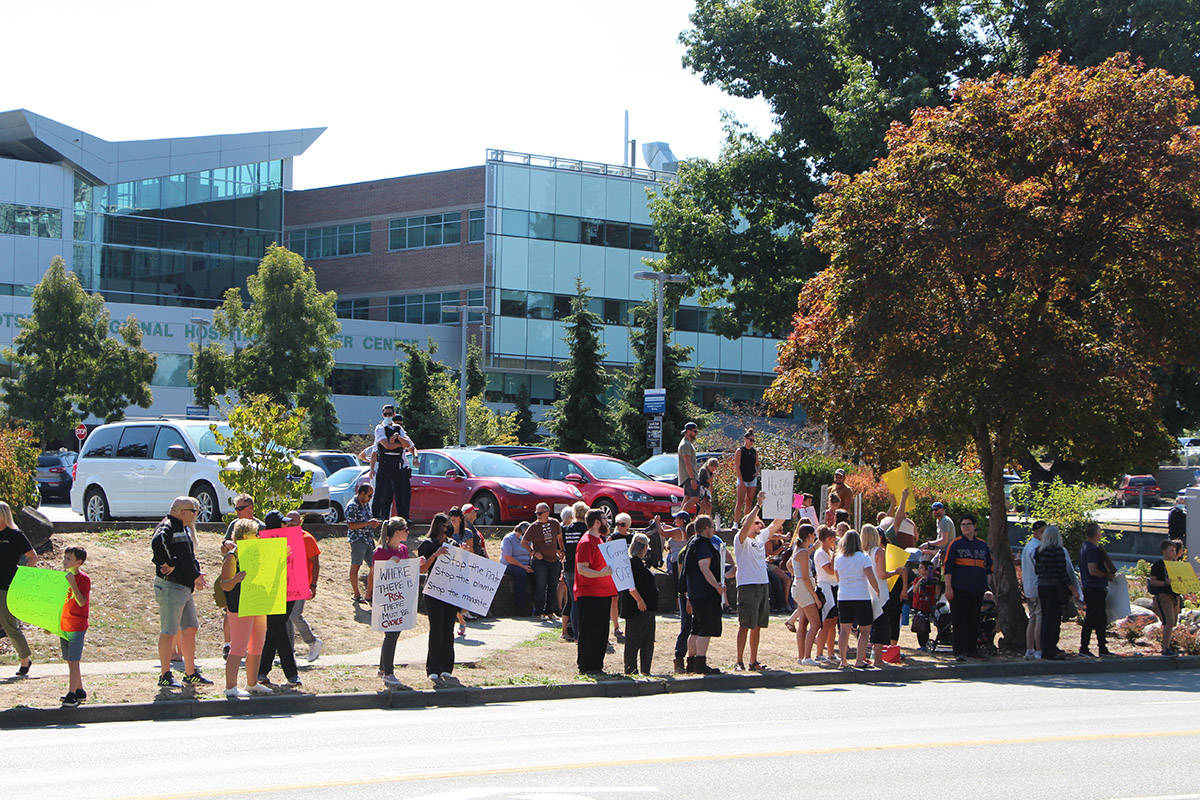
point(610, 511)
point(333, 514)
point(488, 509)
point(207, 500)
point(95, 506)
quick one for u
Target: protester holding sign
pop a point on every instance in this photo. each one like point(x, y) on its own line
point(593, 592)
point(1165, 600)
point(246, 634)
point(278, 641)
point(439, 658)
point(639, 607)
point(393, 550)
point(14, 546)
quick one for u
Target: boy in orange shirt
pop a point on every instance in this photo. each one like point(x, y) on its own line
point(74, 621)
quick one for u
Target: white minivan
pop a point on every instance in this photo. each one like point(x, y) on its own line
point(135, 468)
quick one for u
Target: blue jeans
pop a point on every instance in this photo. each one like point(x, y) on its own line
point(545, 585)
point(520, 582)
point(685, 629)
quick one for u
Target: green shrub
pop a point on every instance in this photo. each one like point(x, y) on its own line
point(18, 468)
point(962, 492)
point(1069, 506)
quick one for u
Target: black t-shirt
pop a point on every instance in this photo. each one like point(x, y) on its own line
point(1158, 571)
point(700, 548)
point(428, 547)
point(13, 545)
point(571, 536)
point(747, 463)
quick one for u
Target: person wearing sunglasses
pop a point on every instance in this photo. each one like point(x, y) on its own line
point(243, 508)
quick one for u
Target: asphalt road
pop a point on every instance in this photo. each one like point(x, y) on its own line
point(1113, 736)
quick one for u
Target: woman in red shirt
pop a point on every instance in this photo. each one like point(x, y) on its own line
point(594, 590)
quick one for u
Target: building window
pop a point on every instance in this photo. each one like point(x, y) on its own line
point(19, 220)
point(431, 230)
point(359, 380)
point(425, 309)
point(475, 225)
point(584, 230)
point(333, 241)
point(356, 308)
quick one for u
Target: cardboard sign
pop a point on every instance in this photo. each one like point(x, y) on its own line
point(616, 555)
point(264, 589)
point(897, 481)
point(797, 502)
point(1183, 577)
point(394, 595)
point(297, 560)
point(777, 493)
point(894, 558)
point(37, 596)
point(1117, 602)
point(464, 580)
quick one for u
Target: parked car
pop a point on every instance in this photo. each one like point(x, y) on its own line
point(511, 450)
point(608, 483)
point(135, 468)
point(503, 490)
point(343, 485)
point(330, 461)
point(665, 467)
point(54, 474)
point(1133, 486)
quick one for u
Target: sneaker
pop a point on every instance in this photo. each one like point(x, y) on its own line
point(69, 700)
point(810, 662)
point(434, 677)
point(80, 695)
point(258, 688)
point(1037, 655)
point(1029, 655)
point(314, 650)
point(1103, 652)
point(225, 650)
point(446, 676)
point(23, 670)
point(294, 684)
point(196, 679)
point(1086, 653)
point(739, 667)
point(236, 693)
point(167, 680)
point(263, 680)
point(391, 680)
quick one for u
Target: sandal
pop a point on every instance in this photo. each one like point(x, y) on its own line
point(758, 666)
point(791, 626)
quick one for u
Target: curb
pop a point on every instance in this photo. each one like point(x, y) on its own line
point(23, 717)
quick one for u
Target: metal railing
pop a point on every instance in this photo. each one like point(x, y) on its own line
point(578, 165)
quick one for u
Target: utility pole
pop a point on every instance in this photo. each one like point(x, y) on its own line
point(660, 280)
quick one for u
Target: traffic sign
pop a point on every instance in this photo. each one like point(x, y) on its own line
point(654, 401)
point(197, 412)
point(654, 434)
point(81, 431)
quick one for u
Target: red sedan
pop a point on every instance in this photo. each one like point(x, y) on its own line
point(500, 488)
point(608, 483)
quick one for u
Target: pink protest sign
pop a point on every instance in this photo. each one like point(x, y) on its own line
point(297, 561)
point(797, 501)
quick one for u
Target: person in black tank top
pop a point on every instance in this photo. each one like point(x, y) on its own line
point(746, 467)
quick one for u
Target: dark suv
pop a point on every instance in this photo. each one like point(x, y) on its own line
point(54, 475)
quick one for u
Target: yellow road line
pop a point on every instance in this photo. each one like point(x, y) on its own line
point(636, 762)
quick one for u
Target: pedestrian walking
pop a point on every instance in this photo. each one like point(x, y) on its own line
point(968, 564)
point(177, 577)
point(594, 590)
point(1095, 571)
point(439, 657)
point(639, 607)
point(1056, 582)
point(278, 641)
point(15, 551)
point(247, 634)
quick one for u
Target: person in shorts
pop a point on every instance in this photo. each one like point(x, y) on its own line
point(704, 594)
point(753, 587)
point(689, 478)
point(1029, 584)
point(177, 577)
point(74, 622)
point(360, 527)
point(856, 578)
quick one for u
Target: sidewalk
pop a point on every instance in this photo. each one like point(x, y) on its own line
point(484, 637)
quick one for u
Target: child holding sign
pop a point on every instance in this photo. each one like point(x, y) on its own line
point(1166, 601)
point(75, 622)
point(395, 548)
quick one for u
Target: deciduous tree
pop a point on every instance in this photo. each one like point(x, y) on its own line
point(1010, 276)
point(260, 453)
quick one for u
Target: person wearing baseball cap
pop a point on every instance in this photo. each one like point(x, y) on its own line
point(1029, 583)
point(945, 528)
point(688, 470)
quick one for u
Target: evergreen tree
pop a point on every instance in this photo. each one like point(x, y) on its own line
point(476, 377)
point(527, 427)
point(65, 364)
point(578, 419)
point(422, 400)
point(628, 418)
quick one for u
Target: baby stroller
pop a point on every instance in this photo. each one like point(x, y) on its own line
point(943, 628)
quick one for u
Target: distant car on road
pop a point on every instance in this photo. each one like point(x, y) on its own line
point(608, 483)
point(665, 467)
point(54, 474)
point(1133, 486)
point(330, 461)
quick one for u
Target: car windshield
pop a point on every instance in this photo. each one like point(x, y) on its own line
point(489, 465)
point(204, 440)
point(347, 476)
point(666, 464)
point(611, 469)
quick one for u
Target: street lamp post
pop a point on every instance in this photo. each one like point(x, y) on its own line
point(660, 279)
point(463, 311)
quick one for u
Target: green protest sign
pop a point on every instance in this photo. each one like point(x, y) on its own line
point(264, 590)
point(37, 596)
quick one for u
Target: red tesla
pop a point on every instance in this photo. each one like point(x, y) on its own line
point(608, 483)
point(500, 488)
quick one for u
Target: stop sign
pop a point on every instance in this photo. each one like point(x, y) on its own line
point(81, 431)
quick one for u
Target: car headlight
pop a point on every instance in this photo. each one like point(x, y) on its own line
point(638, 497)
point(508, 487)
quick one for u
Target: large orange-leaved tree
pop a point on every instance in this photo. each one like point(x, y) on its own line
point(1009, 277)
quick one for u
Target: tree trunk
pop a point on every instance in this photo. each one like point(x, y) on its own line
point(1011, 619)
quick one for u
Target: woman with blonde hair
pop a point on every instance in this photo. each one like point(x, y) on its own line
point(804, 592)
point(856, 578)
point(14, 546)
point(246, 634)
point(881, 629)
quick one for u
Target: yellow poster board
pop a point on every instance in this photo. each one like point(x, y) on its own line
point(894, 558)
point(264, 589)
point(897, 481)
point(1183, 577)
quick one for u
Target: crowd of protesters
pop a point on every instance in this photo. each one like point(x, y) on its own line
point(831, 578)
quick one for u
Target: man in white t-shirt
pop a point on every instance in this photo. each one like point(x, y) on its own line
point(1029, 583)
point(753, 584)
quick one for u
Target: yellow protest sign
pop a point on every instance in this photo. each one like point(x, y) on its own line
point(1183, 577)
point(897, 481)
point(894, 558)
point(37, 596)
point(264, 590)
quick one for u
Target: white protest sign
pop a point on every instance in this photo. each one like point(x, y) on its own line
point(777, 493)
point(1117, 600)
point(616, 555)
point(464, 580)
point(394, 595)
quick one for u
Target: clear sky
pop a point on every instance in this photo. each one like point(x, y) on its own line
point(403, 87)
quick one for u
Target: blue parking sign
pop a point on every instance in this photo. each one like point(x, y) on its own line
point(654, 401)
